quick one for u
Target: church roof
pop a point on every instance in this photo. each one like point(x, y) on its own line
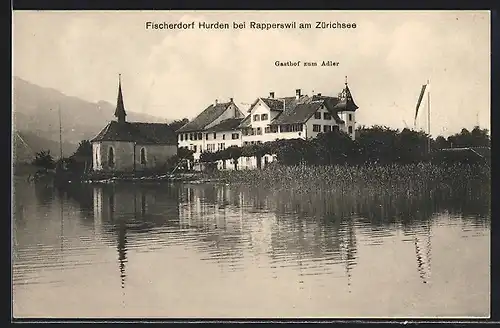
point(142, 133)
point(210, 114)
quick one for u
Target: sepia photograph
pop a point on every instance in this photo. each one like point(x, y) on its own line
point(251, 164)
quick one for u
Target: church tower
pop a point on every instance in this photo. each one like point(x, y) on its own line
point(120, 108)
point(346, 109)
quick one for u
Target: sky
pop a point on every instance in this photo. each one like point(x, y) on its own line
point(178, 73)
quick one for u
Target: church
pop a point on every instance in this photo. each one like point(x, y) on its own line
point(123, 146)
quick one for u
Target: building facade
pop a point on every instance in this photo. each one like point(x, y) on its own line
point(123, 146)
point(214, 129)
point(301, 117)
point(268, 119)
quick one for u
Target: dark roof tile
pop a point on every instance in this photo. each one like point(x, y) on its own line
point(145, 133)
point(206, 117)
point(226, 125)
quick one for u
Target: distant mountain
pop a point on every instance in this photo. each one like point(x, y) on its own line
point(27, 144)
point(36, 112)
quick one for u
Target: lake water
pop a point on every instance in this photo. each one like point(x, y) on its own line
point(216, 250)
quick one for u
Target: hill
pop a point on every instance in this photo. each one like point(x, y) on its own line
point(35, 112)
point(26, 145)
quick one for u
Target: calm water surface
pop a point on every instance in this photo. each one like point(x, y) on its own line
point(237, 251)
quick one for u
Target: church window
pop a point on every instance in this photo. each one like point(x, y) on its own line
point(143, 156)
point(111, 157)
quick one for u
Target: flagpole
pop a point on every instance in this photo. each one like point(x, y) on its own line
point(428, 118)
point(60, 133)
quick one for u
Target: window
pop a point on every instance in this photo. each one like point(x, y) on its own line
point(235, 136)
point(194, 148)
point(245, 143)
point(263, 117)
point(291, 127)
point(181, 137)
point(335, 128)
point(327, 128)
point(223, 137)
point(206, 136)
point(143, 156)
point(350, 129)
point(316, 128)
point(111, 157)
point(256, 117)
point(327, 116)
point(259, 131)
point(350, 117)
point(200, 136)
point(317, 115)
point(215, 135)
point(221, 146)
point(191, 136)
point(96, 159)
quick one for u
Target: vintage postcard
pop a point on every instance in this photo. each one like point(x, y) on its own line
point(251, 164)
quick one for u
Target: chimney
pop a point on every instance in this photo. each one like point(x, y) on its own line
point(231, 99)
point(271, 95)
point(319, 94)
point(216, 101)
point(297, 93)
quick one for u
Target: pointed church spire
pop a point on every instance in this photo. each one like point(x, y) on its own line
point(120, 108)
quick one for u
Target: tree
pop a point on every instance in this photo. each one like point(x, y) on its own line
point(441, 143)
point(480, 137)
point(335, 147)
point(44, 160)
point(411, 146)
point(377, 144)
point(255, 150)
point(84, 149)
point(81, 158)
point(234, 153)
point(185, 153)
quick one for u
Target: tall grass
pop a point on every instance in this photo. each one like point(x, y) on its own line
point(394, 178)
point(380, 193)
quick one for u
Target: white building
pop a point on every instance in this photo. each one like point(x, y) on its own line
point(301, 116)
point(269, 118)
point(215, 128)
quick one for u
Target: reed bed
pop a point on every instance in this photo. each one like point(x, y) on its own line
point(379, 193)
point(372, 179)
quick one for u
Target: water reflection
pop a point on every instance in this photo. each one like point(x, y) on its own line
point(316, 242)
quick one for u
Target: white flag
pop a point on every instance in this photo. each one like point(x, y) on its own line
point(422, 101)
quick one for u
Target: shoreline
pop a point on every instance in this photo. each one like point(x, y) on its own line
point(335, 175)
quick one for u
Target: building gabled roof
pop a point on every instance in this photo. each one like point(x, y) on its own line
point(298, 114)
point(301, 110)
point(274, 104)
point(245, 122)
point(483, 152)
point(229, 124)
point(206, 117)
point(142, 133)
